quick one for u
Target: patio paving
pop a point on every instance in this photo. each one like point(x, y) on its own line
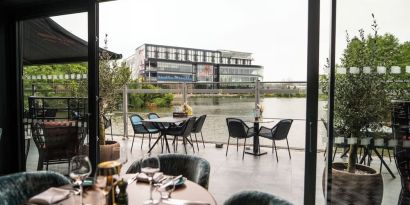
point(231, 174)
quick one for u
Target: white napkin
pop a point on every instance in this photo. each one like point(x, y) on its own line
point(50, 196)
point(141, 177)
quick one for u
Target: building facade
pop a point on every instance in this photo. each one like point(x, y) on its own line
point(158, 63)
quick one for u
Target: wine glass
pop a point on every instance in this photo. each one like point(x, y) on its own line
point(150, 166)
point(80, 168)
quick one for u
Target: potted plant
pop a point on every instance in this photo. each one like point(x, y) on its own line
point(113, 77)
point(362, 101)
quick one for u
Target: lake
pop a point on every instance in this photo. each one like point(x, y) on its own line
point(219, 108)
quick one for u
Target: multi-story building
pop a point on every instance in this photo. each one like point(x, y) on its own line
point(158, 63)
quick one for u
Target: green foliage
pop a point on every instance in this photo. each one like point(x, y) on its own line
point(139, 100)
point(363, 100)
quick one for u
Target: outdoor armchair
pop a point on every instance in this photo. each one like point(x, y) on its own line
point(239, 130)
point(255, 198)
point(278, 132)
point(199, 123)
point(183, 130)
point(193, 168)
point(142, 128)
point(57, 142)
point(17, 188)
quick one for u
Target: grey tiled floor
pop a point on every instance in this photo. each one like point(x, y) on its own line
point(231, 174)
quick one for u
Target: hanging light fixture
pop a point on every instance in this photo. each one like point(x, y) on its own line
point(408, 69)
point(354, 70)
point(341, 70)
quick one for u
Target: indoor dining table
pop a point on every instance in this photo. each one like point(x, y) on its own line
point(158, 122)
point(138, 192)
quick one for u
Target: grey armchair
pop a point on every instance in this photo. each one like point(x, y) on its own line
point(193, 168)
point(255, 198)
point(17, 188)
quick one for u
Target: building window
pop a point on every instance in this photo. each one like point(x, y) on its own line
point(205, 73)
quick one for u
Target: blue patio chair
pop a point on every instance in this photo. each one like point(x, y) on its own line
point(142, 128)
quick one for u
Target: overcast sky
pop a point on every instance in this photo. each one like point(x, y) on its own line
point(274, 31)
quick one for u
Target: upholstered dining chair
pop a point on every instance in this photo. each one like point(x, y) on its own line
point(15, 189)
point(192, 167)
point(199, 123)
point(239, 130)
point(278, 132)
point(255, 198)
point(140, 128)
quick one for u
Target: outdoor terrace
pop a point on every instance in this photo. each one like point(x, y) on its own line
point(231, 174)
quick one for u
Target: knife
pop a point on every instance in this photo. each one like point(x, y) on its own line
point(171, 182)
point(184, 202)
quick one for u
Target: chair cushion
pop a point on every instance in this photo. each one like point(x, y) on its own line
point(194, 168)
point(255, 198)
point(17, 188)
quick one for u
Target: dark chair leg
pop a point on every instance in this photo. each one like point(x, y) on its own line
point(243, 152)
point(388, 151)
point(149, 139)
point(273, 146)
point(237, 144)
point(142, 141)
point(184, 142)
point(227, 146)
point(40, 162)
point(132, 144)
point(196, 140)
point(276, 151)
point(191, 142)
point(202, 139)
point(288, 148)
point(334, 154)
point(381, 164)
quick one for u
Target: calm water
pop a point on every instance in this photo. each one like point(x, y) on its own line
point(218, 109)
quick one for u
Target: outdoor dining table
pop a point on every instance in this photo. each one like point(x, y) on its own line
point(158, 122)
point(256, 151)
point(139, 192)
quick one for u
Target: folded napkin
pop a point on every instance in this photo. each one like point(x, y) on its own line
point(141, 177)
point(50, 196)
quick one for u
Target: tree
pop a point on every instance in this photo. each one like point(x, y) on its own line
point(361, 99)
point(112, 79)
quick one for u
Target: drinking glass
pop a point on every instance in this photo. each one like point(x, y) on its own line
point(150, 166)
point(80, 168)
point(166, 190)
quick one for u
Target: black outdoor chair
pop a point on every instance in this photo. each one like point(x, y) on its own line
point(142, 128)
point(278, 132)
point(255, 198)
point(199, 123)
point(239, 130)
point(184, 131)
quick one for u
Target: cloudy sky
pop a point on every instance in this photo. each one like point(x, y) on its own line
point(274, 31)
